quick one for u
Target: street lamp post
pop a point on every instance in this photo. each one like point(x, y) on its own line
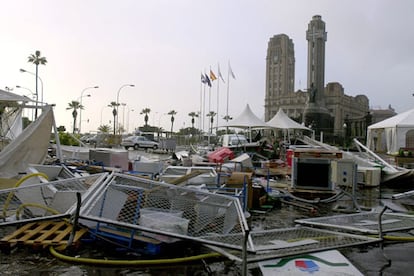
point(21, 87)
point(33, 95)
point(344, 126)
point(123, 115)
point(80, 110)
point(129, 110)
point(159, 123)
point(117, 104)
point(37, 96)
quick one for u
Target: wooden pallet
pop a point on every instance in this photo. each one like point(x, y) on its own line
point(41, 235)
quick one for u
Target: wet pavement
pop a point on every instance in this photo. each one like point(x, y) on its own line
point(388, 258)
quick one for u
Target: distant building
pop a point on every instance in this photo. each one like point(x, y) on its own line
point(316, 113)
point(351, 113)
point(316, 37)
point(337, 114)
point(379, 115)
point(280, 72)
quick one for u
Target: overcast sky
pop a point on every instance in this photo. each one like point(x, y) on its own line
point(162, 46)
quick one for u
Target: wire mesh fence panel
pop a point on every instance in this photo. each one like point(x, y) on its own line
point(157, 208)
point(366, 222)
point(294, 241)
point(45, 200)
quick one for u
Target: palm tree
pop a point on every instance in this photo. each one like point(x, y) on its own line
point(192, 115)
point(75, 105)
point(146, 111)
point(172, 113)
point(114, 105)
point(104, 128)
point(211, 114)
point(36, 59)
point(227, 118)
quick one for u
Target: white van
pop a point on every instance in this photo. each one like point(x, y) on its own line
point(229, 140)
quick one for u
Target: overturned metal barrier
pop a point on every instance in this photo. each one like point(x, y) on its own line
point(129, 206)
point(165, 211)
point(55, 199)
point(365, 222)
point(284, 242)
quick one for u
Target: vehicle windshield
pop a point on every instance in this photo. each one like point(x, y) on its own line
point(237, 140)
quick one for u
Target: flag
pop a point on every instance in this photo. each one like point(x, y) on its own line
point(207, 80)
point(231, 72)
point(219, 73)
point(212, 76)
point(203, 79)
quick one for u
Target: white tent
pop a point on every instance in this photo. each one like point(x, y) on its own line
point(30, 147)
point(11, 124)
point(247, 119)
point(282, 121)
point(391, 134)
point(6, 96)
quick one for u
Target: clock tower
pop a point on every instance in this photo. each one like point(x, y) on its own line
point(280, 73)
point(316, 114)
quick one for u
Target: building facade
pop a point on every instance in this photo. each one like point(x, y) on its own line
point(316, 37)
point(323, 108)
point(280, 72)
point(349, 112)
point(379, 114)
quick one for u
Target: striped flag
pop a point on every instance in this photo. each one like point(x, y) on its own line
point(231, 72)
point(203, 79)
point(207, 80)
point(212, 76)
point(219, 73)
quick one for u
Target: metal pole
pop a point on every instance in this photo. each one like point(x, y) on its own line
point(123, 115)
point(75, 218)
point(244, 253)
point(117, 105)
point(36, 93)
point(58, 147)
point(33, 95)
point(80, 109)
point(41, 90)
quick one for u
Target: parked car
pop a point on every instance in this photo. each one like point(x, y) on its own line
point(137, 142)
point(85, 138)
point(97, 139)
point(228, 140)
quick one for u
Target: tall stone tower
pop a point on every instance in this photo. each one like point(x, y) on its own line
point(316, 113)
point(280, 72)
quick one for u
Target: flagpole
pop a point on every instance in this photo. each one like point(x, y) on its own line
point(209, 109)
point(201, 103)
point(204, 105)
point(228, 87)
point(209, 100)
point(218, 85)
